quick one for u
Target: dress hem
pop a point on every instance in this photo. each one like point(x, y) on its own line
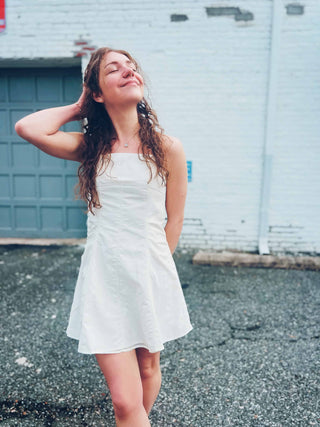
point(132, 347)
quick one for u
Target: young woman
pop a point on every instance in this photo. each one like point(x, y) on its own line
point(128, 299)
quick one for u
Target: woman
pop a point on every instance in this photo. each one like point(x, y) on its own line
point(128, 299)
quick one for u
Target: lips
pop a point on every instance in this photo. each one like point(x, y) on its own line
point(130, 82)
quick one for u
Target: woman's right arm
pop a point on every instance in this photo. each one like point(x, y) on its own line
point(42, 130)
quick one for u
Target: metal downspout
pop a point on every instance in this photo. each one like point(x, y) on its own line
point(269, 128)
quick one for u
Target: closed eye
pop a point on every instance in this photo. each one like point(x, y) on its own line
point(113, 71)
point(132, 68)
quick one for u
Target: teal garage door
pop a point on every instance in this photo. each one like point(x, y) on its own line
point(37, 190)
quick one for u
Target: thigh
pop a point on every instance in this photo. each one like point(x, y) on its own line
point(146, 360)
point(121, 371)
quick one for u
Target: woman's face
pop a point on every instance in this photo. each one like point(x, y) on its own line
point(120, 83)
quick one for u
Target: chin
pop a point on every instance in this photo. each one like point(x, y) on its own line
point(136, 99)
point(133, 98)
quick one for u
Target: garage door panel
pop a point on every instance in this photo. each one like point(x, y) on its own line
point(5, 186)
point(70, 88)
point(3, 122)
point(71, 127)
point(74, 220)
point(72, 166)
point(3, 91)
point(48, 89)
point(24, 155)
point(21, 89)
point(51, 218)
point(71, 181)
point(24, 186)
point(51, 187)
point(5, 218)
point(36, 190)
point(4, 154)
point(46, 161)
point(26, 218)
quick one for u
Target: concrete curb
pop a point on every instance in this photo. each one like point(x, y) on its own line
point(234, 259)
point(41, 242)
point(253, 260)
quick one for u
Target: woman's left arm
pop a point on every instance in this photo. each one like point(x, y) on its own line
point(176, 191)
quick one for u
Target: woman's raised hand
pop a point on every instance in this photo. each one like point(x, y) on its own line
point(80, 101)
point(42, 129)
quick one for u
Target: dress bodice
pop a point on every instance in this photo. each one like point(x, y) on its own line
point(130, 203)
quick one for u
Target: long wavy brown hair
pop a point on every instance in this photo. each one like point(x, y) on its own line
point(99, 131)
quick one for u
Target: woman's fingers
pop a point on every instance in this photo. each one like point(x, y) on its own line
point(80, 101)
point(82, 96)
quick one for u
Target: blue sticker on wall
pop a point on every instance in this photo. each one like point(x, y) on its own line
point(189, 166)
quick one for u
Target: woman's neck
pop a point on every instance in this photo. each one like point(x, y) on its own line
point(126, 124)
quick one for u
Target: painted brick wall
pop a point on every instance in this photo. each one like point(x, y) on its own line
point(295, 195)
point(207, 65)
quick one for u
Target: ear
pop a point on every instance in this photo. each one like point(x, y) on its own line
point(97, 98)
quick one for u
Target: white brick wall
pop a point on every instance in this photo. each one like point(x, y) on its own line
point(208, 83)
point(295, 207)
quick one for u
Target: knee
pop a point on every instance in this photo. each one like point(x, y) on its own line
point(150, 372)
point(124, 406)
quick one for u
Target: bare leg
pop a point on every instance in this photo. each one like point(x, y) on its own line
point(149, 365)
point(121, 371)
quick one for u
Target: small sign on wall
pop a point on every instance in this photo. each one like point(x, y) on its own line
point(2, 15)
point(189, 166)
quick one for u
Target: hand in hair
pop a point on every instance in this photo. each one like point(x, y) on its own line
point(42, 129)
point(80, 101)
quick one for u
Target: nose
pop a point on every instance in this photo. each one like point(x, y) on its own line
point(128, 72)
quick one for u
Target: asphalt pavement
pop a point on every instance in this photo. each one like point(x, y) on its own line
point(252, 359)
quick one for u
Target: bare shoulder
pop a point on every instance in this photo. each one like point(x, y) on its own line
point(173, 148)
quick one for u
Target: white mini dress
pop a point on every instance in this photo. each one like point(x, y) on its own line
point(128, 293)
